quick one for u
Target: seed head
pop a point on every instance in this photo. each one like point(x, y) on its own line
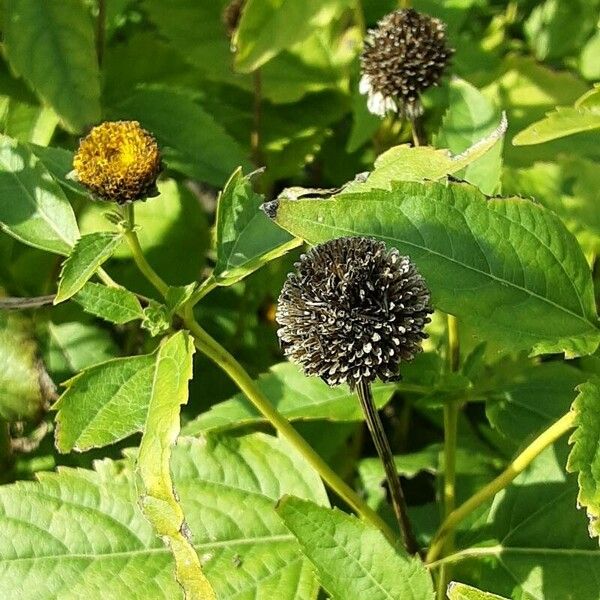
point(118, 161)
point(405, 55)
point(352, 311)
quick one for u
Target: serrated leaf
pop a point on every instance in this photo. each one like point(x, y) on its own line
point(33, 208)
point(21, 372)
point(460, 591)
point(472, 117)
point(506, 265)
point(52, 45)
point(532, 543)
point(353, 560)
point(421, 163)
point(116, 305)
point(227, 487)
point(88, 255)
point(245, 238)
point(171, 374)
point(294, 395)
point(192, 142)
point(585, 454)
point(267, 27)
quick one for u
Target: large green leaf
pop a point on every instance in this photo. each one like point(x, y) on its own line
point(245, 238)
point(33, 208)
point(116, 305)
point(171, 374)
point(470, 118)
point(533, 542)
point(268, 26)
point(52, 45)
point(227, 487)
point(564, 120)
point(585, 454)
point(460, 591)
point(192, 141)
point(88, 255)
point(295, 396)
point(353, 560)
point(505, 265)
point(22, 374)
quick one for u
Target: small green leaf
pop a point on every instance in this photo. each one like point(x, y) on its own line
point(33, 208)
point(470, 118)
point(171, 374)
point(59, 163)
point(295, 396)
point(585, 454)
point(22, 374)
point(52, 45)
point(460, 591)
point(116, 305)
point(564, 121)
point(89, 253)
point(421, 163)
point(353, 560)
point(245, 238)
point(506, 265)
point(269, 26)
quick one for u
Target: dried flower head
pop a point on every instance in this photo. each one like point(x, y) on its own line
point(352, 311)
point(118, 161)
point(405, 55)
point(231, 16)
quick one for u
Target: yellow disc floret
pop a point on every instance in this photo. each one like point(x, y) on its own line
point(118, 161)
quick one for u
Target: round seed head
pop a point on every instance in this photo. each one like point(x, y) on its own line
point(118, 161)
point(353, 310)
point(405, 55)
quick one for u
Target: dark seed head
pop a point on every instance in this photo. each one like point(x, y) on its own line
point(405, 55)
point(353, 310)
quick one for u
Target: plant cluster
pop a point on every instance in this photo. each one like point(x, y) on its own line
point(298, 300)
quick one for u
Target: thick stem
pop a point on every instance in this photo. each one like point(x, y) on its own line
point(382, 446)
point(138, 255)
point(453, 344)
point(451, 410)
point(228, 363)
point(519, 464)
point(417, 132)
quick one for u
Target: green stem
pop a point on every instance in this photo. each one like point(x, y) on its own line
point(517, 466)
point(211, 348)
point(100, 31)
point(138, 255)
point(453, 344)
point(384, 451)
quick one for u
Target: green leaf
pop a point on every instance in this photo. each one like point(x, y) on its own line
point(192, 142)
point(470, 118)
point(59, 163)
point(245, 238)
point(353, 560)
point(420, 163)
point(116, 305)
point(22, 374)
point(294, 395)
point(268, 26)
point(564, 120)
point(585, 454)
point(227, 487)
point(532, 543)
point(506, 265)
point(33, 208)
point(531, 401)
point(88, 255)
point(52, 45)
point(460, 591)
point(171, 374)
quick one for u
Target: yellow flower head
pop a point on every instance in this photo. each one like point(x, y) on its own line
point(118, 161)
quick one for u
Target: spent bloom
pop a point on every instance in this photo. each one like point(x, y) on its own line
point(118, 161)
point(405, 55)
point(352, 311)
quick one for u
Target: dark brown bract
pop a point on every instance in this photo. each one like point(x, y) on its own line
point(406, 54)
point(352, 311)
